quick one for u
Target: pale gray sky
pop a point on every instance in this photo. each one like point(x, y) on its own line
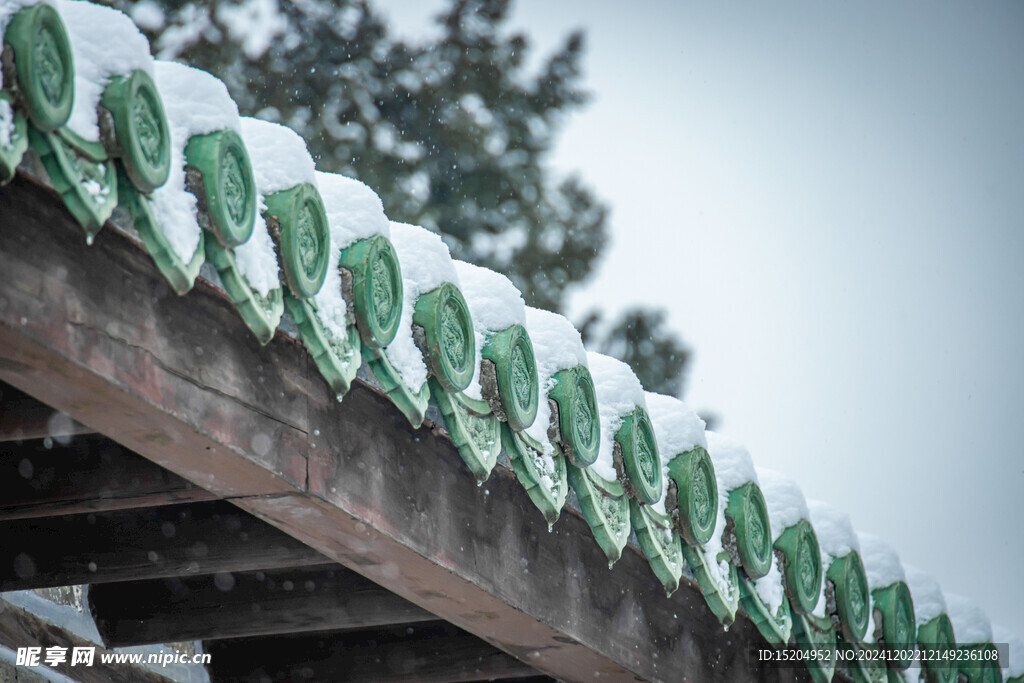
point(828, 198)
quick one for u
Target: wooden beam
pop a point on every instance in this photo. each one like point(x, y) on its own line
point(96, 332)
point(234, 605)
point(174, 540)
point(435, 652)
point(23, 418)
point(21, 628)
point(88, 474)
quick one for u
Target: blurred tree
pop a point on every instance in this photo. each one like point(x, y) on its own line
point(641, 338)
point(452, 132)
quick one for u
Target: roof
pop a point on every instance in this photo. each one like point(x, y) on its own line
point(341, 305)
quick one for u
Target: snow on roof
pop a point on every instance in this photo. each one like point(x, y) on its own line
point(354, 211)
point(970, 623)
point(928, 599)
point(279, 157)
point(426, 264)
point(557, 345)
point(834, 530)
point(733, 464)
point(195, 103)
point(881, 563)
point(494, 302)
point(104, 43)
point(1015, 655)
point(677, 428)
point(194, 99)
point(784, 499)
point(619, 393)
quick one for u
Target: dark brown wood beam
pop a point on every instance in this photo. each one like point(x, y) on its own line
point(85, 474)
point(174, 540)
point(23, 418)
point(237, 604)
point(21, 628)
point(180, 380)
point(435, 652)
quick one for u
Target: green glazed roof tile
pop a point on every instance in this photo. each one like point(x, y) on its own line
point(179, 274)
point(262, 314)
point(44, 63)
point(605, 508)
point(543, 475)
point(337, 359)
point(776, 626)
point(88, 188)
point(721, 589)
point(660, 544)
point(412, 404)
point(475, 432)
point(372, 280)
point(816, 637)
point(13, 137)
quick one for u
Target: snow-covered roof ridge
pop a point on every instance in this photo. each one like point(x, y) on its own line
point(494, 302)
point(881, 562)
point(354, 211)
point(835, 532)
point(619, 393)
point(784, 499)
point(970, 623)
point(104, 43)
point(426, 264)
point(677, 427)
point(557, 345)
point(929, 601)
point(279, 157)
point(195, 99)
point(733, 465)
